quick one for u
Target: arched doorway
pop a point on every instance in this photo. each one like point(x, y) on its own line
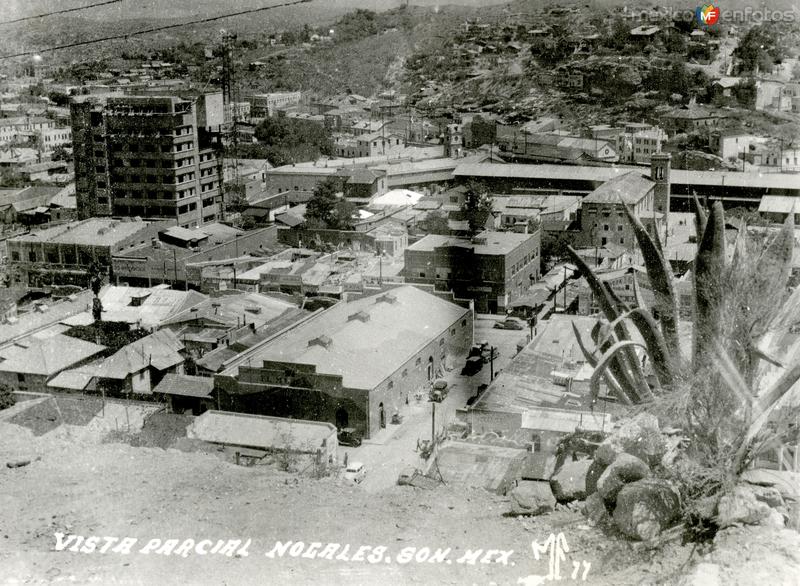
point(382, 415)
point(342, 418)
point(430, 368)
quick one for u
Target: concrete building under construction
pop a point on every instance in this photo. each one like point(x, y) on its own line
point(149, 156)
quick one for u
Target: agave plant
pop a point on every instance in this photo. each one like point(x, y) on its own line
point(741, 306)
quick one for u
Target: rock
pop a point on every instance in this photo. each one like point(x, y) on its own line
point(532, 498)
point(607, 452)
point(647, 507)
point(593, 474)
point(569, 483)
point(767, 494)
point(787, 483)
point(625, 469)
point(18, 463)
point(741, 507)
point(594, 509)
point(792, 516)
point(638, 436)
point(774, 519)
point(703, 574)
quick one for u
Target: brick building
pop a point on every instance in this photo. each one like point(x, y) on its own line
point(63, 254)
point(492, 268)
point(149, 156)
point(602, 218)
point(355, 364)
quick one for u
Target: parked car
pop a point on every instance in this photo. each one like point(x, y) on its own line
point(355, 472)
point(473, 366)
point(349, 437)
point(406, 476)
point(510, 323)
point(439, 390)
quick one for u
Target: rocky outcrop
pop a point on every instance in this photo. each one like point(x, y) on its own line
point(646, 507)
point(638, 436)
point(623, 470)
point(532, 498)
point(741, 507)
point(569, 483)
point(594, 509)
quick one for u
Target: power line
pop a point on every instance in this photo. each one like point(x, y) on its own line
point(24, 18)
point(151, 30)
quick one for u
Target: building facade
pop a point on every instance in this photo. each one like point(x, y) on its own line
point(492, 269)
point(355, 364)
point(149, 156)
point(63, 254)
point(265, 105)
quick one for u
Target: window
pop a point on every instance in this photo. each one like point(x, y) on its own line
point(21, 377)
point(619, 228)
point(405, 372)
point(622, 241)
point(390, 385)
point(463, 323)
point(419, 361)
point(441, 342)
point(605, 227)
point(32, 256)
point(14, 255)
point(453, 332)
point(422, 274)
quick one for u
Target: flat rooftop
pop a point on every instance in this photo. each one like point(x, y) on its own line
point(260, 431)
point(495, 242)
point(92, 232)
point(364, 341)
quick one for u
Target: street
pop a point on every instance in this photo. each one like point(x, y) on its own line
point(394, 448)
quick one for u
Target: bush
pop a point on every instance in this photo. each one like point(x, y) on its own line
point(7, 398)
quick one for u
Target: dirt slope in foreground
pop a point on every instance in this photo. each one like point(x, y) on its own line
point(114, 490)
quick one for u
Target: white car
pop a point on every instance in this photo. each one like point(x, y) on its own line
point(355, 472)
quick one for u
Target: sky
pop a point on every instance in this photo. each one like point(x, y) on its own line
point(199, 8)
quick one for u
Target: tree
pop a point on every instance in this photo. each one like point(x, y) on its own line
point(60, 153)
point(483, 131)
point(436, 223)
point(343, 215)
point(95, 273)
point(477, 206)
point(7, 398)
point(321, 208)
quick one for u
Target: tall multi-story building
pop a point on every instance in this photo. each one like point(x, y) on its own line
point(149, 156)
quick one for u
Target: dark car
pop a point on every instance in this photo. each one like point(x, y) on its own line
point(349, 437)
point(510, 323)
point(473, 366)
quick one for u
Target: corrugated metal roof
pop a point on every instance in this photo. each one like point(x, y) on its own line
point(259, 431)
point(185, 385)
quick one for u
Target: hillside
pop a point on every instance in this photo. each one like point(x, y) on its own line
point(77, 486)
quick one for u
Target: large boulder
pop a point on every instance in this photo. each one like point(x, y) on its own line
point(569, 483)
point(593, 475)
point(624, 470)
point(639, 436)
point(741, 507)
point(532, 498)
point(647, 507)
point(786, 483)
point(594, 509)
point(768, 495)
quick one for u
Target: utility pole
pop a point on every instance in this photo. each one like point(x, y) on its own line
point(565, 288)
point(491, 363)
point(433, 422)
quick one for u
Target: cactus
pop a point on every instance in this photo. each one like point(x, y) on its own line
point(738, 306)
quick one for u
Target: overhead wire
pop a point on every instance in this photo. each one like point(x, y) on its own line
point(64, 11)
point(150, 30)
